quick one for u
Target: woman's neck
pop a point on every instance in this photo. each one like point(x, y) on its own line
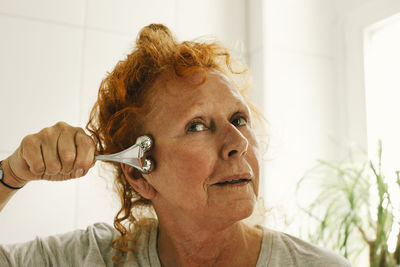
point(235, 245)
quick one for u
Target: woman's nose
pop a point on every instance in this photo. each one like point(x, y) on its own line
point(235, 144)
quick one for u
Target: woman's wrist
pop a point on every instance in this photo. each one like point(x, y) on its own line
point(9, 177)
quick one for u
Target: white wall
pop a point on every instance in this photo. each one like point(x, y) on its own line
point(300, 95)
point(54, 54)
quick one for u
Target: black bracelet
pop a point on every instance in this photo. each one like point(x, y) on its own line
point(1, 179)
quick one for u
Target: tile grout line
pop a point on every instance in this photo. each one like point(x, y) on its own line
point(81, 84)
point(47, 21)
point(64, 24)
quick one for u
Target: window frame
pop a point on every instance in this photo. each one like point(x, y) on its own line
point(355, 23)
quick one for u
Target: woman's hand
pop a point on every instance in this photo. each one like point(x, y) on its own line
point(56, 153)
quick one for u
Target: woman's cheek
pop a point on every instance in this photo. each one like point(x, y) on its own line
point(194, 163)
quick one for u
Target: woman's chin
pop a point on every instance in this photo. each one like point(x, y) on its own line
point(245, 211)
point(239, 211)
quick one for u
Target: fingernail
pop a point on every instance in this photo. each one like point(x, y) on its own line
point(79, 172)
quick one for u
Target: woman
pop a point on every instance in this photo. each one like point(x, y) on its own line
point(206, 177)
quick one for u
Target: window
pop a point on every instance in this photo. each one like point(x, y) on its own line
point(382, 83)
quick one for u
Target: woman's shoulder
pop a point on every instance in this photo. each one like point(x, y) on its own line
point(92, 244)
point(99, 235)
point(100, 230)
point(281, 249)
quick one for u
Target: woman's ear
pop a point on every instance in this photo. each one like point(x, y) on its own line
point(138, 182)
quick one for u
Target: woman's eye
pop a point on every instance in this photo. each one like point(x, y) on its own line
point(196, 127)
point(240, 121)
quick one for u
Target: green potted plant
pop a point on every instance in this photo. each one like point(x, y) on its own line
point(353, 207)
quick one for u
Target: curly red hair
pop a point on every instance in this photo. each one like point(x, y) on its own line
point(115, 120)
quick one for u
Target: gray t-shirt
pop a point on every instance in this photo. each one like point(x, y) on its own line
point(92, 247)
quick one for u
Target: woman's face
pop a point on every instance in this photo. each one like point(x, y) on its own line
point(206, 152)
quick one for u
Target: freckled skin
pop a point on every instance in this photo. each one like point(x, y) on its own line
point(190, 163)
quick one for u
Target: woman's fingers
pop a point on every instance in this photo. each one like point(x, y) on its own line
point(67, 151)
point(85, 149)
point(49, 139)
point(58, 152)
point(31, 154)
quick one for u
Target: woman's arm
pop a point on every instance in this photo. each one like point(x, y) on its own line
point(57, 153)
point(5, 192)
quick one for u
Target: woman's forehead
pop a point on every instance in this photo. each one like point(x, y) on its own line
point(173, 94)
point(193, 85)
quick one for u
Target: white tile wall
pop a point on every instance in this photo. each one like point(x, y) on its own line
point(129, 16)
point(302, 114)
point(70, 12)
point(225, 19)
point(40, 73)
point(300, 93)
point(304, 26)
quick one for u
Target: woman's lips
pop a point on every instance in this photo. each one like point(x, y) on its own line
point(236, 182)
point(238, 179)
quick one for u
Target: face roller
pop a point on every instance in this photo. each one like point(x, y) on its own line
point(134, 155)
